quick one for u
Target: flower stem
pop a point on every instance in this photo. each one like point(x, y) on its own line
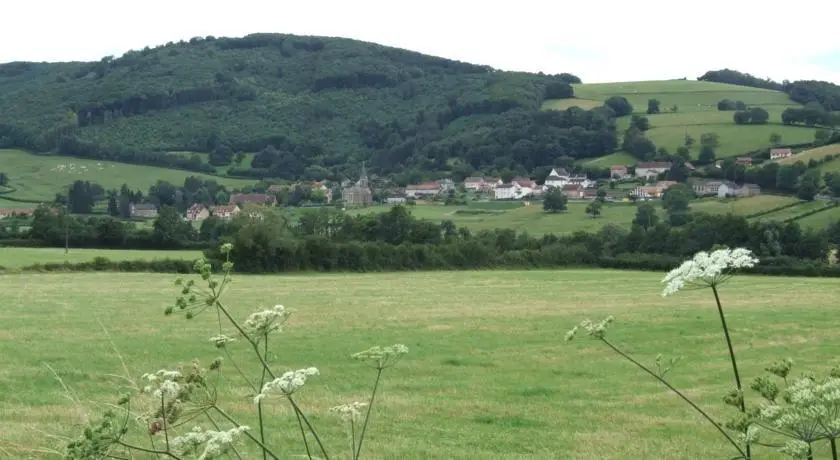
point(246, 433)
point(259, 404)
point(309, 425)
point(303, 436)
point(743, 406)
point(729, 345)
point(367, 416)
point(678, 393)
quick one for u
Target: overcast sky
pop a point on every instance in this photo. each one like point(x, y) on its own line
point(595, 39)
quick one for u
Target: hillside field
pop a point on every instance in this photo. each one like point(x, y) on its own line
point(696, 114)
point(23, 257)
point(488, 375)
point(514, 215)
point(39, 177)
point(811, 154)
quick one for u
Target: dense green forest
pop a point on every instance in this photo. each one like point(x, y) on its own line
point(314, 107)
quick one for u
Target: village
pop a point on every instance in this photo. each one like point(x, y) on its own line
point(641, 182)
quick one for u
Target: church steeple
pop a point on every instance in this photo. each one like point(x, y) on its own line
point(363, 179)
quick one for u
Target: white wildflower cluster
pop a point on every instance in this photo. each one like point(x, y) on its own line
point(163, 383)
point(221, 340)
point(381, 357)
point(708, 269)
point(596, 330)
point(750, 437)
point(349, 412)
point(287, 384)
point(265, 322)
point(812, 409)
point(796, 449)
point(216, 443)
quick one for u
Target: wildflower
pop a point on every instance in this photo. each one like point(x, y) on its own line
point(264, 322)
point(221, 340)
point(216, 443)
point(349, 412)
point(708, 269)
point(381, 357)
point(287, 384)
point(596, 330)
point(162, 383)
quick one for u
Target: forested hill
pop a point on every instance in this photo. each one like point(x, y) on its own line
point(314, 107)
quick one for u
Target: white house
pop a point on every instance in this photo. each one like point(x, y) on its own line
point(508, 191)
point(425, 189)
point(618, 172)
point(652, 168)
point(557, 178)
point(777, 154)
point(474, 183)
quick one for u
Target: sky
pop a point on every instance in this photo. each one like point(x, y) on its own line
point(600, 41)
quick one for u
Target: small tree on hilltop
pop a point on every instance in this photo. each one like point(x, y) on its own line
point(653, 106)
point(555, 200)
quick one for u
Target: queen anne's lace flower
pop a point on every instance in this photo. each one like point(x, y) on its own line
point(381, 357)
point(216, 443)
point(163, 383)
point(266, 321)
point(287, 384)
point(221, 340)
point(708, 269)
point(349, 412)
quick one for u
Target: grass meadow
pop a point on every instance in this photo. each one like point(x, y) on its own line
point(535, 221)
point(487, 377)
point(23, 257)
point(697, 112)
point(39, 177)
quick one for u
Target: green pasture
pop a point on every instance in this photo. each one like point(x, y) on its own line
point(696, 113)
point(488, 375)
point(40, 177)
point(812, 154)
point(23, 257)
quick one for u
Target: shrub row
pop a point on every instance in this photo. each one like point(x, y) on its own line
point(102, 264)
point(772, 210)
point(812, 212)
point(422, 257)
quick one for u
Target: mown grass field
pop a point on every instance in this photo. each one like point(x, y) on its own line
point(696, 114)
point(23, 257)
point(487, 377)
point(535, 221)
point(821, 220)
point(38, 177)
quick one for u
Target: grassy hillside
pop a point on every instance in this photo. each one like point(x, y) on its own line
point(697, 112)
point(38, 177)
point(323, 104)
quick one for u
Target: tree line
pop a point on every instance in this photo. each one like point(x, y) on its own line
point(267, 240)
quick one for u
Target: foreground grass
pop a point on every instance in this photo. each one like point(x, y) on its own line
point(488, 376)
point(39, 177)
point(22, 257)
